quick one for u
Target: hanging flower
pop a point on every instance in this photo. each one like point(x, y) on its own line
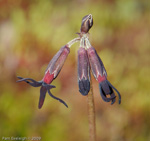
point(99, 72)
point(83, 71)
point(51, 73)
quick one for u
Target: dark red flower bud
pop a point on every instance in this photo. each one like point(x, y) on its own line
point(99, 72)
point(83, 71)
point(87, 23)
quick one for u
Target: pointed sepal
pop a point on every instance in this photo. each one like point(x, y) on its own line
point(30, 81)
point(43, 91)
point(107, 93)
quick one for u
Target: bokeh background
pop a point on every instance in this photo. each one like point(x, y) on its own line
point(32, 31)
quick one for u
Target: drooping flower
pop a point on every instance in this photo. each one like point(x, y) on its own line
point(87, 59)
point(83, 71)
point(99, 72)
point(53, 69)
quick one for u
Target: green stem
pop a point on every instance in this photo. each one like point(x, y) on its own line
point(91, 115)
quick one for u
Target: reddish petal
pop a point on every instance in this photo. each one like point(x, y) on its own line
point(48, 78)
point(101, 78)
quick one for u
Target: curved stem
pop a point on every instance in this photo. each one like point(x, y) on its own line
point(70, 43)
point(91, 115)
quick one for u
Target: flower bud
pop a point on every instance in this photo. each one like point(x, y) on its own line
point(87, 23)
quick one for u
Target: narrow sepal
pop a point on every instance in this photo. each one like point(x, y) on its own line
point(30, 81)
point(106, 88)
point(60, 100)
point(43, 91)
point(119, 95)
point(48, 87)
point(45, 87)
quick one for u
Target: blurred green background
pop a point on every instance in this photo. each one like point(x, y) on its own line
point(32, 31)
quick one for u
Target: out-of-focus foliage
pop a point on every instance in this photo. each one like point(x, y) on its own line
point(32, 31)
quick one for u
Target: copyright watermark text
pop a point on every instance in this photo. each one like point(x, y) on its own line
point(12, 138)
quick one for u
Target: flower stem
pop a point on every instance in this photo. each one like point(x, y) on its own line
point(91, 115)
point(70, 43)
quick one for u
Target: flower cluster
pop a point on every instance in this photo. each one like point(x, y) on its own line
point(88, 59)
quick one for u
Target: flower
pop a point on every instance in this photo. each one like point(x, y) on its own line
point(52, 71)
point(99, 72)
point(83, 71)
point(87, 59)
